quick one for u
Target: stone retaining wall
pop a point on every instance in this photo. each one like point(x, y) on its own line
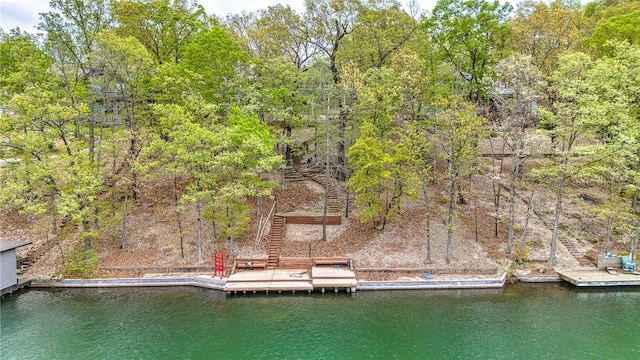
point(216, 284)
point(433, 284)
point(219, 284)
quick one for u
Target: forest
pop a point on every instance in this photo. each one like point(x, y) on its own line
point(388, 101)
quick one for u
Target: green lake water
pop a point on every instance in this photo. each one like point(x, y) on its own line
point(536, 321)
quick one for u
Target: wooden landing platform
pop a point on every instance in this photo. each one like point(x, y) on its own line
point(332, 219)
point(320, 278)
point(585, 278)
point(334, 278)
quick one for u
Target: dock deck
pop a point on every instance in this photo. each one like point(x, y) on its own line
point(19, 285)
point(320, 278)
point(585, 278)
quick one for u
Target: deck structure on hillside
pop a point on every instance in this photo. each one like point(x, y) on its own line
point(594, 278)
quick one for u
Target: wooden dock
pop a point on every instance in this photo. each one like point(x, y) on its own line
point(586, 278)
point(21, 284)
point(319, 278)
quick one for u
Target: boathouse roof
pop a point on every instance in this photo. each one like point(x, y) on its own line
point(6, 244)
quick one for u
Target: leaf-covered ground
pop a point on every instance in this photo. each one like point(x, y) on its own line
point(153, 238)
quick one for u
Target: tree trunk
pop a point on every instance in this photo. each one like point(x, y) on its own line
point(556, 220)
point(607, 241)
point(178, 220)
point(425, 191)
point(54, 215)
point(497, 191)
point(515, 165)
point(230, 237)
point(634, 241)
point(324, 210)
point(512, 204)
point(199, 220)
point(526, 227)
point(475, 218)
point(346, 210)
point(92, 140)
point(287, 150)
point(342, 124)
point(123, 245)
point(450, 208)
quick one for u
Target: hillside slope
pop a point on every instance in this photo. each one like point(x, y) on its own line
point(153, 236)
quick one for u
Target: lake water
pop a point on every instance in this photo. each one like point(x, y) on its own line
point(525, 321)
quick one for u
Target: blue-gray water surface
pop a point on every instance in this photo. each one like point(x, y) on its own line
point(536, 321)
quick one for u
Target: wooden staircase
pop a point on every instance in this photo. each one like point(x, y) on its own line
point(582, 260)
point(275, 241)
point(36, 253)
point(292, 175)
point(562, 238)
point(279, 222)
point(333, 205)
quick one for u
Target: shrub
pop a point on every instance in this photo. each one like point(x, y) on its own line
point(81, 264)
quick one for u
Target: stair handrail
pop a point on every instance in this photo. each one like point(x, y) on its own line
point(262, 225)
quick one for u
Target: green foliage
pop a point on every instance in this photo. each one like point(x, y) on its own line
point(214, 56)
point(459, 130)
point(164, 27)
point(80, 264)
point(617, 21)
point(223, 162)
point(523, 254)
point(382, 29)
point(470, 37)
point(382, 176)
point(371, 162)
point(545, 31)
point(159, 78)
point(22, 63)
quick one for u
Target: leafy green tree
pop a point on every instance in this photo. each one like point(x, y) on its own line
point(470, 36)
point(184, 149)
point(54, 173)
point(516, 90)
point(278, 39)
point(458, 133)
point(248, 155)
point(214, 56)
point(118, 96)
point(379, 99)
point(382, 29)
point(281, 99)
point(22, 63)
point(223, 162)
point(416, 137)
point(164, 27)
point(72, 30)
point(51, 122)
point(414, 85)
point(612, 21)
point(280, 33)
point(381, 178)
point(330, 23)
point(615, 86)
point(567, 122)
point(544, 31)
